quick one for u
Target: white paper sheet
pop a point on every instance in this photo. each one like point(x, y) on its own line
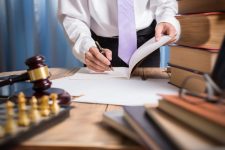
point(86, 74)
point(117, 91)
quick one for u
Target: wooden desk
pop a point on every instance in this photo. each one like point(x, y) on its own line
point(82, 130)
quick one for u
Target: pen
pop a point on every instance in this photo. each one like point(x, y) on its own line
point(102, 52)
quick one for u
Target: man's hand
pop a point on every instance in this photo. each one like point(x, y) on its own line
point(96, 61)
point(165, 28)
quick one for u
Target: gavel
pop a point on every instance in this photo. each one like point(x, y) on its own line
point(38, 74)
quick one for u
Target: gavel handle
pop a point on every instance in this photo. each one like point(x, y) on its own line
point(11, 80)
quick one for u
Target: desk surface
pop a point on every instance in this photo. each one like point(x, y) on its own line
point(82, 130)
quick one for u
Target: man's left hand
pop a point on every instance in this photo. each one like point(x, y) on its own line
point(165, 28)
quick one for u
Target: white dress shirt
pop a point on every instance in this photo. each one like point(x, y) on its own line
point(80, 16)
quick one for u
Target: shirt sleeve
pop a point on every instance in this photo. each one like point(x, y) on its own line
point(75, 18)
point(165, 11)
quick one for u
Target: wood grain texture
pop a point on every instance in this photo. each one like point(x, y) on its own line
point(83, 130)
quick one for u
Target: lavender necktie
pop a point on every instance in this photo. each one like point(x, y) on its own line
point(127, 29)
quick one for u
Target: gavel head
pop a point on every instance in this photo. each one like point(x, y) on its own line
point(38, 73)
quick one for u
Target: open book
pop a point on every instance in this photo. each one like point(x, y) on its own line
point(125, 72)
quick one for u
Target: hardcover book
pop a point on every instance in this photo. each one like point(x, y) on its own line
point(200, 6)
point(206, 118)
point(204, 30)
point(183, 136)
point(148, 131)
point(202, 60)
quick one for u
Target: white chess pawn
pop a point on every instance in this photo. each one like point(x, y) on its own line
point(2, 132)
point(55, 108)
point(23, 119)
point(44, 107)
point(34, 114)
point(10, 125)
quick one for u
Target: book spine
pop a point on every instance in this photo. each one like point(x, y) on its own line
point(196, 122)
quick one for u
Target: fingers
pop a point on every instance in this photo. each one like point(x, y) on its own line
point(97, 61)
point(93, 66)
point(158, 31)
point(171, 41)
point(108, 54)
point(166, 29)
point(171, 31)
point(95, 52)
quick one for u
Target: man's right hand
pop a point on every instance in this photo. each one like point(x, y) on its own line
point(96, 61)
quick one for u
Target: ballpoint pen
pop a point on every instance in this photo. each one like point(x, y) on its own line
point(102, 52)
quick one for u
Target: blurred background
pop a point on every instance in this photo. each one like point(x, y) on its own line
point(30, 27)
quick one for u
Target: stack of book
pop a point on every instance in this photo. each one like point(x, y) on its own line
point(176, 123)
point(202, 31)
point(185, 121)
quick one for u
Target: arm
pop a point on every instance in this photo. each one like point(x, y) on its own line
point(165, 11)
point(75, 18)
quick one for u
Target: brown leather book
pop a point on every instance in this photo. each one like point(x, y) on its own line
point(204, 30)
point(197, 59)
point(207, 118)
point(179, 74)
point(200, 6)
point(147, 130)
point(115, 119)
point(183, 136)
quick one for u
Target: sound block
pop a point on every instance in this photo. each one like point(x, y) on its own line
point(63, 96)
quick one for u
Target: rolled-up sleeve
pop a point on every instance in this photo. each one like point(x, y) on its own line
point(75, 18)
point(165, 11)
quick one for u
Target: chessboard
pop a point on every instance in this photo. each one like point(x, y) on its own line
point(22, 120)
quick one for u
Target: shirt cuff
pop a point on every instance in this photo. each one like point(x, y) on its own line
point(81, 46)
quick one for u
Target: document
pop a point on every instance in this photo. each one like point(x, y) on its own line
point(118, 87)
point(125, 72)
point(86, 74)
point(116, 91)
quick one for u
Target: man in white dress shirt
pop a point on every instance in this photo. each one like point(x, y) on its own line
point(87, 21)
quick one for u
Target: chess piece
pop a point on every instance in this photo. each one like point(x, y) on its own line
point(2, 132)
point(23, 119)
point(55, 108)
point(38, 74)
point(11, 125)
point(64, 98)
point(44, 106)
point(21, 95)
point(21, 101)
point(34, 114)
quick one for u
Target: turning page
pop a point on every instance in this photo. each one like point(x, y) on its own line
point(145, 50)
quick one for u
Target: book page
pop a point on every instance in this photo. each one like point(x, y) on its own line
point(146, 49)
point(117, 91)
